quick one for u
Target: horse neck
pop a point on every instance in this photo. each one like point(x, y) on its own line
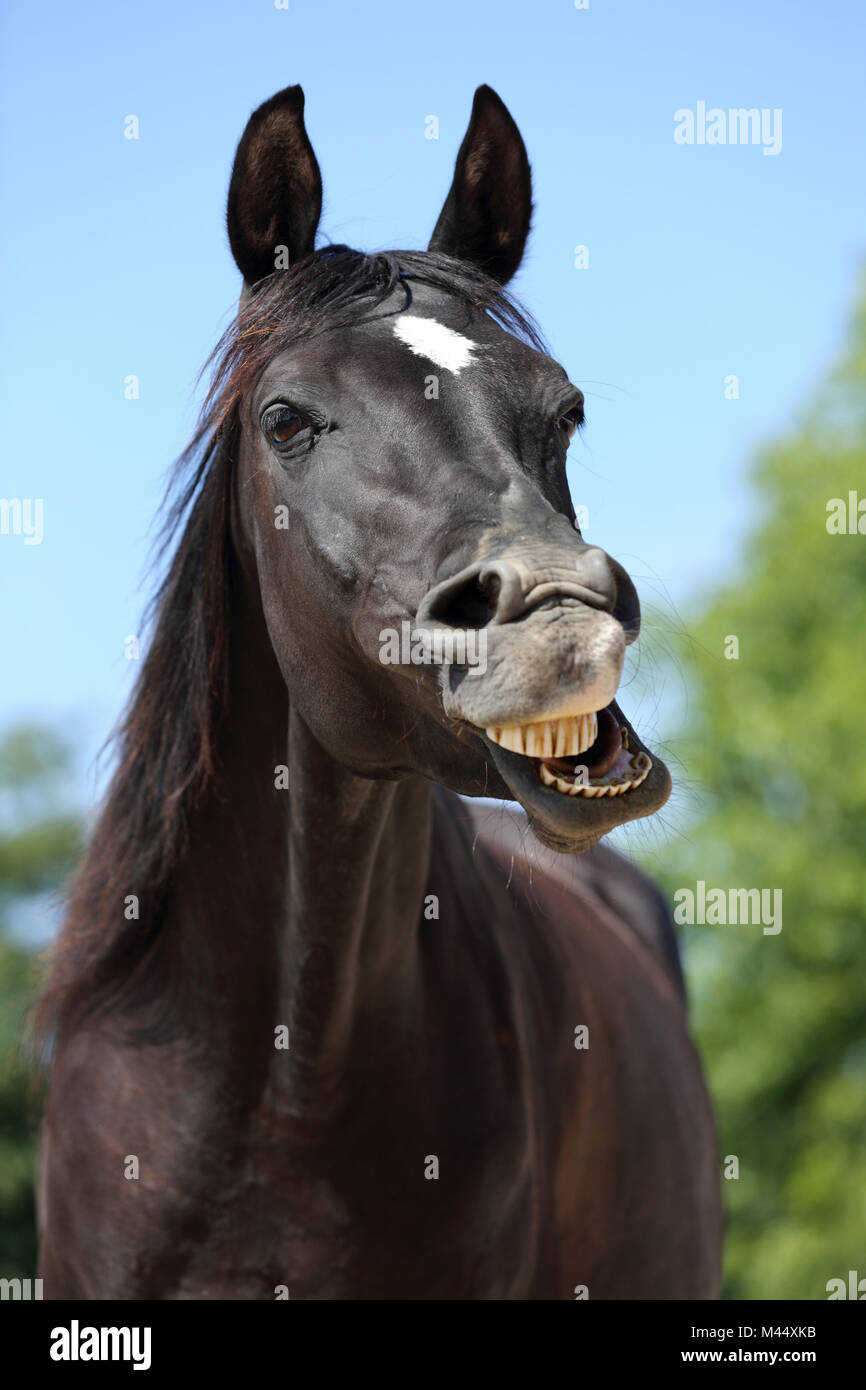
point(308, 898)
point(357, 872)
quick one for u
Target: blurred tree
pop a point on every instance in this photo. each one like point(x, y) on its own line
point(775, 738)
point(39, 841)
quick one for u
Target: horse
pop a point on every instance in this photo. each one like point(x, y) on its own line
point(323, 1023)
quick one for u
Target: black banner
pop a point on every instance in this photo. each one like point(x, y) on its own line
point(82, 1339)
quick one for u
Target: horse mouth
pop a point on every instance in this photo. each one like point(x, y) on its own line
point(578, 778)
point(584, 755)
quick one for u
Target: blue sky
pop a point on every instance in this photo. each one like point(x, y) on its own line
point(704, 261)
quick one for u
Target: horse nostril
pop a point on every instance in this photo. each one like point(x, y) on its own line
point(472, 604)
point(468, 600)
point(491, 587)
point(478, 595)
point(595, 572)
point(627, 606)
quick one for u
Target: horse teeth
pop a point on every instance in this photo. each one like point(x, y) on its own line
point(640, 768)
point(551, 738)
point(566, 738)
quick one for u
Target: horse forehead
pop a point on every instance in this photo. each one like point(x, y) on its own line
point(442, 345)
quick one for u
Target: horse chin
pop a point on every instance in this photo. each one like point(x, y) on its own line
point(570, 812)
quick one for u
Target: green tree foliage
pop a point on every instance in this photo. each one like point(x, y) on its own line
point(39, 841)
point(775, 740)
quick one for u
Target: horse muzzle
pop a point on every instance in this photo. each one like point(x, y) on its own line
point(549, 643)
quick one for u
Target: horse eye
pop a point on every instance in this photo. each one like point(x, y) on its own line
point(571, 421)
point(281, 424)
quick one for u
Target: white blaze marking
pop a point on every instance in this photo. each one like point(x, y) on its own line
point(429, 338)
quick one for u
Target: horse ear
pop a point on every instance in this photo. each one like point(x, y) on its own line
point(487, 213)
point(275, 194)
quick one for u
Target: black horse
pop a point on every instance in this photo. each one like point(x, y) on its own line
point(320, 1026)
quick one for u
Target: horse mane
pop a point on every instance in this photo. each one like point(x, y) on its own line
point(166, 742)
